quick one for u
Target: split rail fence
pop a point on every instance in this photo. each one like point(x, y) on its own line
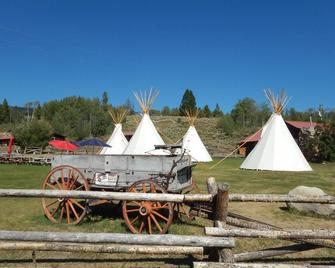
point(217, 243)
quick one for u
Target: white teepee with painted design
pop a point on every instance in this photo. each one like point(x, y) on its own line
point(276, 150)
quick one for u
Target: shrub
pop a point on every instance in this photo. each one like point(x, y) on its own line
point(320, 145)
point(34, 134)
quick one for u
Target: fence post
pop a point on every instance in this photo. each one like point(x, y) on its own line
point(220, 212)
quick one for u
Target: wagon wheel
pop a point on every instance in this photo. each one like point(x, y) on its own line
point(68, 210)
point(147, 216)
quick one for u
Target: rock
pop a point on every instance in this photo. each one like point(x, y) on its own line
point(320, 209)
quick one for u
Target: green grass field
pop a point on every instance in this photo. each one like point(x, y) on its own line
point(27, 213)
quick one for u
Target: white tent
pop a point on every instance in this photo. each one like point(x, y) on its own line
point(117, 140)
point(146, 136)
point(276, 149)
point(192, 143)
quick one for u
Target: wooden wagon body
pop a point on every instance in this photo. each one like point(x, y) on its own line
point(118, 172)
point(122, 173)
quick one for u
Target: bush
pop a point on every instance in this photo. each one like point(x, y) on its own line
point(33, 134)
point(226, 124)
point(320, 145)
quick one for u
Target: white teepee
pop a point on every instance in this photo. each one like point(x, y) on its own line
point(117, 140)
point(192, 143)
point(146, 136)
point(276, 149)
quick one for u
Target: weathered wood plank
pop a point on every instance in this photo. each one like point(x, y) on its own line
point(135, 239)
point(176, 198)
point(100, 248)
point(276, 234)
point(252, 265)
point(280, 198)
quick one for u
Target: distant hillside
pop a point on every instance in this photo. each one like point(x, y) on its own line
point(172, 129)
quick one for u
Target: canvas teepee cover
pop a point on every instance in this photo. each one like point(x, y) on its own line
point(192, 142)
point(277, 149)
point(117, 140)
point(146, 136)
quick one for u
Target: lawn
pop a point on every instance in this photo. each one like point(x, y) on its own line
point(27, 214)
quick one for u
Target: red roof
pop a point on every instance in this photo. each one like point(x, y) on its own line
point(254, 137)
point(298, 124)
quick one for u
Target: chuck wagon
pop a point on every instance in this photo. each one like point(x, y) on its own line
point(124, 173)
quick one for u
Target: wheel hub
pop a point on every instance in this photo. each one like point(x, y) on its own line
point(145, 210)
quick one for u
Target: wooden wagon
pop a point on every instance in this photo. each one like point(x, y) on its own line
point(122, 173)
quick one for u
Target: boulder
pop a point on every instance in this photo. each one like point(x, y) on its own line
point(320, 209)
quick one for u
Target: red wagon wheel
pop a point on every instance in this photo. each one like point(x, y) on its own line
point(67, 210)
point(147, 216)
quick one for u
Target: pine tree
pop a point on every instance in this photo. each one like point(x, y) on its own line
point(5, 112)
point(188, 102)
point(206, 112)
point(105, 101)
point(217, 111)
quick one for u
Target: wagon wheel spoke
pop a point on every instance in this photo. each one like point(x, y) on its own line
point(165, 206)
point(52, 203)
point(61, 214)
point(149, 225)
point(134, 220)
point(152, 187)
point(55, 210)
point(68, 213)
point(135, 202)
point(73, 210)
point(133, 210)
point(77, 204)
point(160, 215)
point(156, 222)
point(79, 187)
point(141, 227)
point(51, 186)
point(73, 182)
point(62, 177)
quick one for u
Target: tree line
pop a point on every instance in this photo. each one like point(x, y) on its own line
point(79, 117)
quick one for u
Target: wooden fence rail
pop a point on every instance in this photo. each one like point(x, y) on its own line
point(274, 234)
point(100, 248)
point(280, 198)
point(135, 239)
point(176, 198)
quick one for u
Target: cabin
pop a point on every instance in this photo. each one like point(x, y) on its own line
point(295, 128)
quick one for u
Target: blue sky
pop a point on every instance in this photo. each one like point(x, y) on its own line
point(222, 50)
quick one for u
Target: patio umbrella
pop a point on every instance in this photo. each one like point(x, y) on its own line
point(63, 145)
point(94, 142)
point(91, 142)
